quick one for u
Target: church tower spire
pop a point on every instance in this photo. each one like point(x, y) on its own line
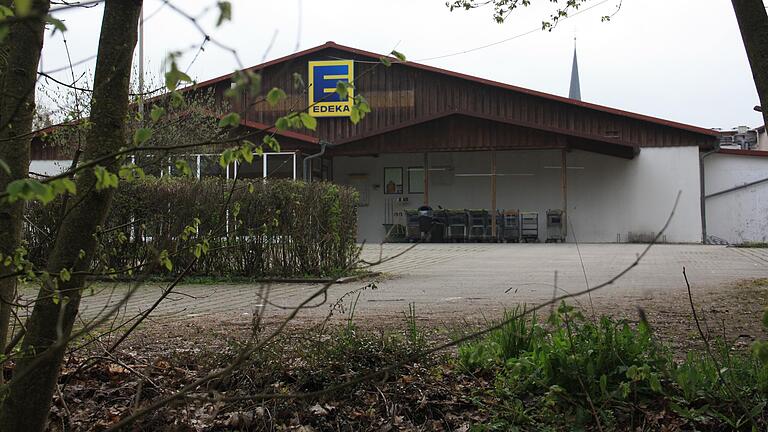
point(575, 90)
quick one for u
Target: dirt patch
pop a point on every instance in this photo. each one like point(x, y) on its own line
point(732, 312)
point(164, 355)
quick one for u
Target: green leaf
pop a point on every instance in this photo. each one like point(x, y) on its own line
point(177, 100)
point(246, 153)
point(5, 12)
point(232, 119)
point(271, 142)
point(362, 104)
point(275, 96)
point(141, 136)
point(174, 76)
point(23, 7)
point(252, 147)
point(308, 121)
point(354, 115)
point(385, 61)
point(227, 157)
point(29, 190)
point(282, 123)
point(183, 167)
point(165, 260)
point(64, 275)
point(62, 186)
point(295, 121)
point(400, 56)
point(156, 113)
point(342, 88)
point(57, 24)
point(225, 12)
point(104, 178)
point(131, 172)
point(653, 380)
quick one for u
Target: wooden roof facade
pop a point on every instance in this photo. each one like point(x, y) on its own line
point(417, 108)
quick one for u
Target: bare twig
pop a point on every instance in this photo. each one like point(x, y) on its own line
point(712, 357)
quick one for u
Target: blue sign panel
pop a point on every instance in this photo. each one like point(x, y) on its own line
point(324, 76)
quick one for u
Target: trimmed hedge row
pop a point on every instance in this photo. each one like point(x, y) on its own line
point(267, 229)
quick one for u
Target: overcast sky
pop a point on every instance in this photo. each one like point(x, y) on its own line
point(681, 60)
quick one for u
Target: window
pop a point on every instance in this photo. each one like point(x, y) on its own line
point(152, 164)
point(416, 180)
point(280, 165)
point(209, 167)
point(393, 180)
point(252, 170)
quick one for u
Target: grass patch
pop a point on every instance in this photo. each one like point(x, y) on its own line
point(752, 245)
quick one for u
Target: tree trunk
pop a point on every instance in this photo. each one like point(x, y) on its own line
point(19, 55)
point(753, 23)
point(29, 393)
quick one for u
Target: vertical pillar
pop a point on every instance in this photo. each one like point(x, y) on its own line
point(564, 186)
point(426, 179)
point(493, 194)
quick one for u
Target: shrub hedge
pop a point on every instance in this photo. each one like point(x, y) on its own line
point(267, 229)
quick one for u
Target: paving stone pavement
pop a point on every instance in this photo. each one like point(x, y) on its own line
point(455, 280)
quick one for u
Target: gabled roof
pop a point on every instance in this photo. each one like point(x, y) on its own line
point(374, 56)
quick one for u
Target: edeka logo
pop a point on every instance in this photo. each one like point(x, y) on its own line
point(323, 77)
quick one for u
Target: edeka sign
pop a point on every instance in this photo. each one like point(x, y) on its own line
point(323, 99)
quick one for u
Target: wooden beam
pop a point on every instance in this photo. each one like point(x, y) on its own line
point(564, 186)
point(493, 193)
point(426, 179)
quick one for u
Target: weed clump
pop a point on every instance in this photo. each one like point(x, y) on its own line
point(571, 371)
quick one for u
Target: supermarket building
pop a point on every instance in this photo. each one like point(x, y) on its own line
point(455, 141)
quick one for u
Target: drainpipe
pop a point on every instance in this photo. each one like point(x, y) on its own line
point(323, 145)
point(703, 194)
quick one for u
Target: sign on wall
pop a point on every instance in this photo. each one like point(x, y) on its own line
point(323, 77)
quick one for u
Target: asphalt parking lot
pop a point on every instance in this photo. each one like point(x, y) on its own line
point(457, 280)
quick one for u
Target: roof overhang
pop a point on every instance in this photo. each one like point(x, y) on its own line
point(370, 143)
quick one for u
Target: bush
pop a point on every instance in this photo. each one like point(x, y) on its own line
point(274, 228)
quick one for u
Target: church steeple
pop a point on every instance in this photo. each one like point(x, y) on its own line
point(575, 90)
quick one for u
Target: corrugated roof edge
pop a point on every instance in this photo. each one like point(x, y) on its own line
point(588, 105)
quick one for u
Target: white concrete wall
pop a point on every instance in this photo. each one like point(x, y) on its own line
point(606, 195)
point(740, 216)
point(49, 167)
point(762, 139)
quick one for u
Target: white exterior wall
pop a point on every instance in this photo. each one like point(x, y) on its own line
point(609, 196)
point(740, 216)
point(49, 167)
point(762, 139)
